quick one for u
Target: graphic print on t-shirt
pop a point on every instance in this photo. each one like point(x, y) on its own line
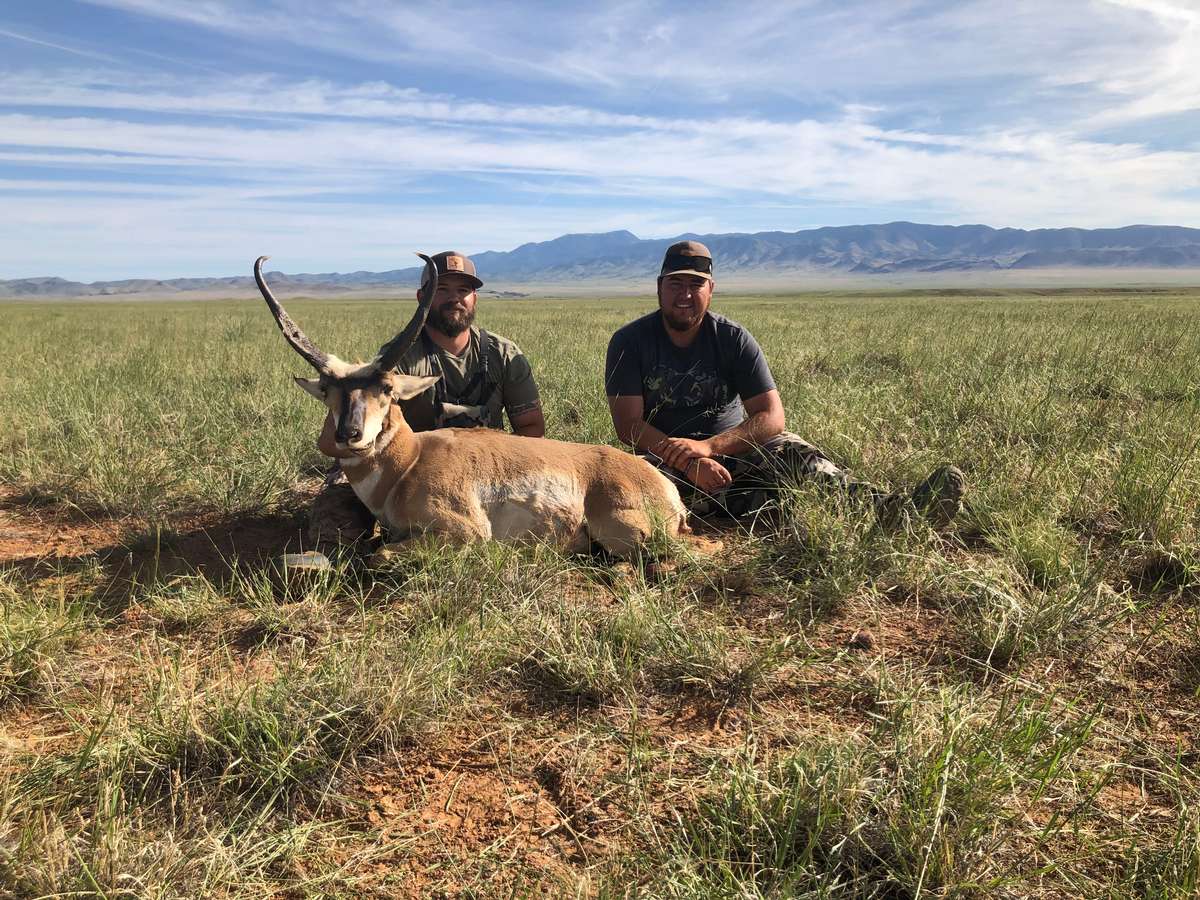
point(698, 389)
point(667, 386)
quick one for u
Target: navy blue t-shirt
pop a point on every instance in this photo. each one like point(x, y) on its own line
point(693, 392)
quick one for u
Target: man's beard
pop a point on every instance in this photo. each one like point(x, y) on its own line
point(678, 324)
point(451, 322)
point(681, 320)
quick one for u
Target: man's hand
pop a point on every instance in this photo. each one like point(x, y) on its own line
point(679, 452)
point(708, 474)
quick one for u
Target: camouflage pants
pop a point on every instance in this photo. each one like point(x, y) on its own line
point(759, 474)
point(336, 515)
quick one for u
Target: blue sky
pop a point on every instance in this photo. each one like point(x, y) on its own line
point(161, 137)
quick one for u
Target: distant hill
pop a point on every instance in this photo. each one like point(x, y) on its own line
point(894, 248)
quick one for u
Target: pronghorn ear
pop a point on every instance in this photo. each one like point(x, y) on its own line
point(312, 386)
point(405, 387)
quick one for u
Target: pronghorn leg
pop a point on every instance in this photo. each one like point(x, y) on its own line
point(449, 526)
point(621, 532)
point(460, 531)
point(455, 530)
point(578, 541)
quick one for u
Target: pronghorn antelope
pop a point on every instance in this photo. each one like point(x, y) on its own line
point(472, 483)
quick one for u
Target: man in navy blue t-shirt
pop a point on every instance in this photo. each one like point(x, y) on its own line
point(692, 390)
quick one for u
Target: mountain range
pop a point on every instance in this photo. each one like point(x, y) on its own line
point(860, 250)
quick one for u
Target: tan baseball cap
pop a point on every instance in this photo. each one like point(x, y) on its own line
point(687, 258)
point(451, 262)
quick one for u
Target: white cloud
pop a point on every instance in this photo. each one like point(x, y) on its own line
point(1167, 81)
point(839, 51)
point(261, 96)
point(262, 171)
point(661, 119)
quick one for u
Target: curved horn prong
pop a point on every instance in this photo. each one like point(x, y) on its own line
point(300, 343)
point(390, 353)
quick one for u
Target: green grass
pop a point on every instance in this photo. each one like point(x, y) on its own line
point(927, 806)
point(36, 632)
point(823, 708)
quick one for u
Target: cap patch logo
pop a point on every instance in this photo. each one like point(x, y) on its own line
point(454, 264)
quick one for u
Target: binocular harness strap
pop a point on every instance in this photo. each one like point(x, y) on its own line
point(440, 396)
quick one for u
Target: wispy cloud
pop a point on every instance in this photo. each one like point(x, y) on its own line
point(1166, 82)
point(37, 42)
point(836, 51)
point(261, 95)
point(524, 125)
point(999, 176)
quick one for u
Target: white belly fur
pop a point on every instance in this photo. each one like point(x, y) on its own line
point(533, 506)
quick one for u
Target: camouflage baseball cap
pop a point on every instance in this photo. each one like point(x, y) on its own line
point(451, 262)
point(687, 258)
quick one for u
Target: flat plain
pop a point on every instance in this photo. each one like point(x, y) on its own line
point(1009, 707)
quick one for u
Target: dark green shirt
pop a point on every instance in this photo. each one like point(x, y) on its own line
point(514, 389)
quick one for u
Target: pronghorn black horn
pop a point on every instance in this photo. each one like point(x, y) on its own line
point(300, 343)
point(390, 353)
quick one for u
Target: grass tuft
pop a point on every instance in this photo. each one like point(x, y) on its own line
point(35, 634)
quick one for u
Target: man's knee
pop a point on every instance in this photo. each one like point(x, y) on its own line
point(793, 457)
point(338, 516)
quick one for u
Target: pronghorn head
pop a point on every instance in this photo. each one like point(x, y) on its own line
point(358, 397)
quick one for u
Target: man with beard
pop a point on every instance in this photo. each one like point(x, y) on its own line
point(483, 376)
point(691, 389)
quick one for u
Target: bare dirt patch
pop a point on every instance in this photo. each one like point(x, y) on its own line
point(33, 535)
point(457, 814)
point(33, 532)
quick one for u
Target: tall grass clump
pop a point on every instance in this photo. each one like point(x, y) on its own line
point(182, 602)
point(926, 806)
point(1169, 868)
point(186, 847)
point(36, 632)
point(824, 547)
point(773, 831)
point(1000, 619)
point(648, 641)
point(263, 741)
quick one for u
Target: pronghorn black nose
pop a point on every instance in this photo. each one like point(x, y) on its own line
point(350, 424)
point(349, 432)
